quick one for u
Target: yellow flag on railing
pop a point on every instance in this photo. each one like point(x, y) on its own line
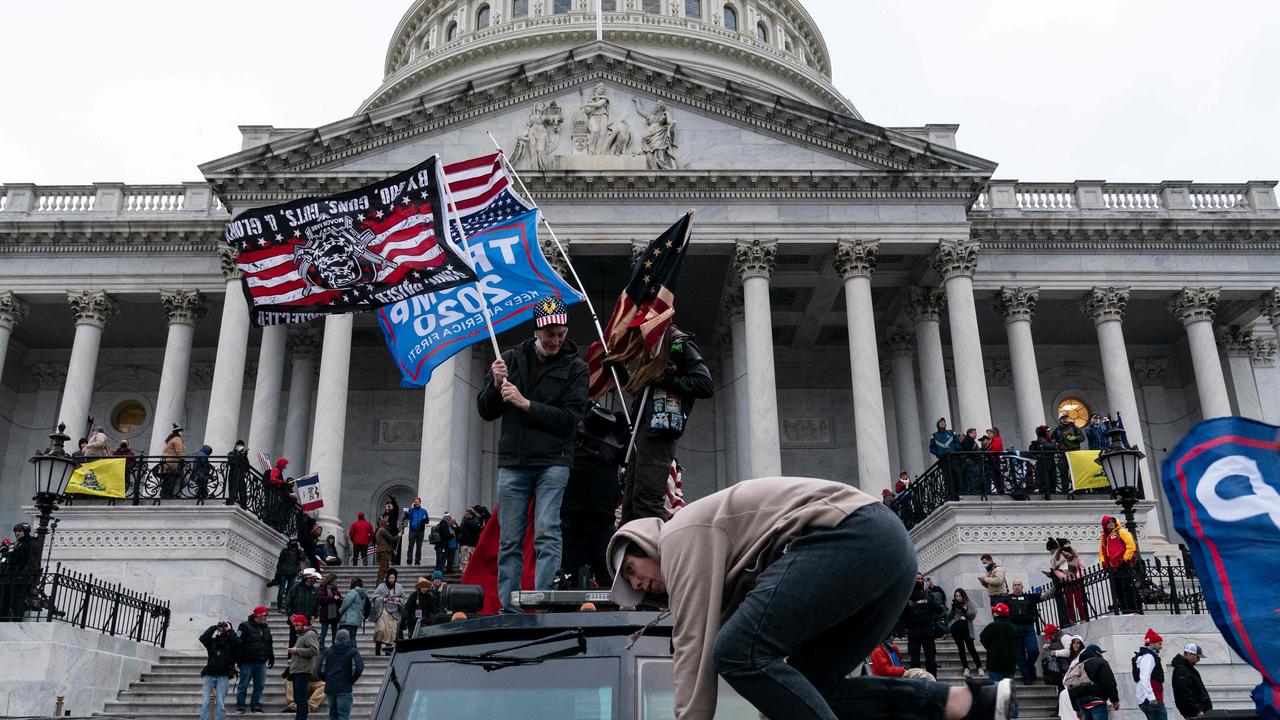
point(1086, 473)
point(103, 478)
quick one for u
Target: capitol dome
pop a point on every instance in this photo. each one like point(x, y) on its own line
point(770, 44)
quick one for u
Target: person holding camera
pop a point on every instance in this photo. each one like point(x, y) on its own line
point(223, 646)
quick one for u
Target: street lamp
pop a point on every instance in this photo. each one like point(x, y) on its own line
point(52, 468)
point(1122, 465)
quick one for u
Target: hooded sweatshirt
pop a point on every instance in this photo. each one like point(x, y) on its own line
point(711, 553)
point(1116, 548)
point(341, 665)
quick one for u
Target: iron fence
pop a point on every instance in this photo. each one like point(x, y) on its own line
point(78, 599)
point(1145, 586)
point(1019, 475)
point(198, 480)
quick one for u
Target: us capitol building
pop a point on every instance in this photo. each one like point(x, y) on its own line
point(849, 283)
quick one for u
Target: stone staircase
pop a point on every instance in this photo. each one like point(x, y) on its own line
point(1036, 702)
point(171, 689)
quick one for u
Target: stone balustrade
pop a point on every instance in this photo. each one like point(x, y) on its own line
point(109, 200)
point(1091, 195)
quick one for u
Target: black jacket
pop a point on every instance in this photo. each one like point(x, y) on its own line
point(1022, 608)
point(21, 557)
point(687, 376)
point(290, 561)
point(223, 650)
point(1000, 639)
point(918, 617)
point(1103, 681)
point(543, 436)
point(444, 530)
point(256, 645)
point(1189, 693)
point(469, 532)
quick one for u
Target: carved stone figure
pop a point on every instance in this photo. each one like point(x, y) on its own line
point(659, 139)
point(540, 139)
point(603, 135)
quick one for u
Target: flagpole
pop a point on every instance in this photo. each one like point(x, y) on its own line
point(484, 302)
point(599, 20)
point(595, 319)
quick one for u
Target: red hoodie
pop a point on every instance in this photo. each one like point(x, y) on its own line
point(276, 476)
point(361, 532)
point(886, 662)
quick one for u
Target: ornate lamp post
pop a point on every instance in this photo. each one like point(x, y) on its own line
point(52, 468)
point(1120, 462)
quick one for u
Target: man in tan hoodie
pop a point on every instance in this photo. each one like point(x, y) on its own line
point(783, 586)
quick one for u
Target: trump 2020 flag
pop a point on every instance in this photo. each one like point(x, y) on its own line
point(307, 488)
point(103, 478)
point(426, 330)
point(351, 252)
point(1223, 483)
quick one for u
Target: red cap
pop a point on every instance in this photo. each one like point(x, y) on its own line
point(260, 610)
point(359, 516)
point(1000, 610)
point(298, 620)
point(1152, 637)
point(884, 491)
point(1050, 630)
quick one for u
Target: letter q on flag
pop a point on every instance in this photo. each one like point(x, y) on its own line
point(1222, 482)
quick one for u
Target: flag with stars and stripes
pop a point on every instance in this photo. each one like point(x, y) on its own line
point(371, 247)
point(646, 306)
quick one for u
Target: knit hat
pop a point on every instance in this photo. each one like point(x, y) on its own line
point(422, 582)
point(1050, 630)
point(1000, 610)
point(550, 310)
point(437, 575)
point(1151, 637)
point(260, 611)
point(299, 619)
point(178, 428)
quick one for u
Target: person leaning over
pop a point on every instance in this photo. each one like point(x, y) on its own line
point(757, 577)
point(539, 390)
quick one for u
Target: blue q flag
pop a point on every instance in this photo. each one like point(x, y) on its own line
point(424, 331)
point(1223, 482)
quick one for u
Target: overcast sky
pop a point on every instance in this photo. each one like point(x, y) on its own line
point(1124, 90)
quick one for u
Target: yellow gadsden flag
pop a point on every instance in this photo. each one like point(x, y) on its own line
point(104, 478)
point(1086, 473)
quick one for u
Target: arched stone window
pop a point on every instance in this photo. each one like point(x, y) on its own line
point(693, 9)
point(730, 18)
point(1075, 409)
point(482, 17)
point(762, 32)
point(560, 7)
point(520, 8)
point(452, 33)
point(652, 6)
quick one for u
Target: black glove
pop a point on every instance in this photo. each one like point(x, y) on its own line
point(271, 663)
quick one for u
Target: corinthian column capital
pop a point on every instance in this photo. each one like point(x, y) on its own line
point(733, 303)
point(183, 307)
point(92, 307)
point(955, 258)
point(1105, 303)
point(553, 256)
point(1235, 340)
point(1018, 303)
point(900, 340)
point(1264, 352)
point(303, 342)
point(1271, 305)
point(755, 258)
point(1195, 304)
point(925, 303)
point(12, 310)
point(856, 258)
point(227, 256)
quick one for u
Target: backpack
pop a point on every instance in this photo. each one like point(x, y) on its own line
point(434, 536)
point(368, 607)
point(1076, 678)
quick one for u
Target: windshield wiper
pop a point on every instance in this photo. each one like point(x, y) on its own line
point(492, 660)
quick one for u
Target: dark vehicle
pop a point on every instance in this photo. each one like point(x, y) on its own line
point(553, 665)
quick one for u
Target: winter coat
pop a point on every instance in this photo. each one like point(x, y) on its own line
point(1000, 639)
point(686, 377)
point(427, 601)
point(302, 600)
point(98, 446)
point(328, 602)
point(1067, 437)
point(417, 517)
point(200, 467)
point(918, 617)
point(386, 598)
point(1096, 435)
point(1189, 694)
point(994, 582)
point(173, 451)
point(256, 645)
point(223, 649)
point(307, 649)
point(361, 532)
point(341, 665)
point(886, 661)
point(445, 532)
point(351, 611)
point(943, 443)
point(1102, 680)
point(543, 436)
point(712, 552)
point(290, 562)
point(1022, 608)
point(130, 457)
point(21, 557)
point(1125, 537)
point(386, 540)
point(961, 617)
point(469, 532)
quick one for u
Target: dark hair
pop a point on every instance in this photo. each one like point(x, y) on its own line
point(940, 423)
point(356, 582)
point(633, 549)
point(963, 595)
point(986, 556)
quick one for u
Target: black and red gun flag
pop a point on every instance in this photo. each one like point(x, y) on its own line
point(352, 252)
point(645, 308)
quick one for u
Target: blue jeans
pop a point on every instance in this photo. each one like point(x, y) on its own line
point(789, 646)
point(995, 676)
point(1095, 713)
point(517, 486)
point(283, 583)
point(1028, 651)
point(1154, 710)
point(339, 705)
point(218, 686)
point(256, 672)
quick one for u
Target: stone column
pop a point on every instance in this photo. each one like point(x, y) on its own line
point(265, 419)
point(183, 308)
point(304, 346)
point(92, 310)
point(754, 262)
point(228, 367)
point(1238, 345)
point(12, 311)
point(1018, 306)
point(956, 261)
point(1264, 371)
point(855, 261)
point(741, 393)
point(437, 471)
point(906, 411)
point(1106, 307)
point(1195, 308)
point(924, 309)
point(329, 439)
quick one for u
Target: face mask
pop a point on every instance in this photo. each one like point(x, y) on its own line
point(990, 566)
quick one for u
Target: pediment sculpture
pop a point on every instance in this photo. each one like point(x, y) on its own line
point(600, 138)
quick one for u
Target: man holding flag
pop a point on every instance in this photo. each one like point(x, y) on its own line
point(539, 390)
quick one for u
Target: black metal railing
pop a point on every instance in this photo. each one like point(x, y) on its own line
point(979, 475)
point(78, 599)
point(193, 479)
point(1146, 586)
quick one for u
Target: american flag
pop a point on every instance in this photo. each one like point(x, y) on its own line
point(370, 247)
point(646, 306)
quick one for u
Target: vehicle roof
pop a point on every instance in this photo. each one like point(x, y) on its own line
point(490, 628)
